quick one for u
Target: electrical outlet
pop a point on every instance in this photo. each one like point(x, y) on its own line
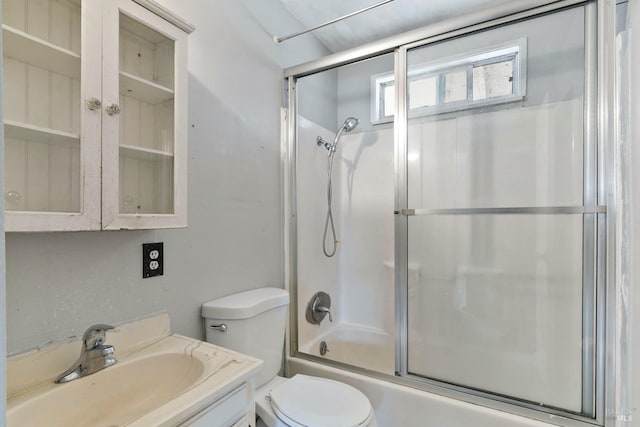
point(152, 259)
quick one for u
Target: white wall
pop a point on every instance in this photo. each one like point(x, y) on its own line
point(629, 364)
point(60, 283)
point(3, 342)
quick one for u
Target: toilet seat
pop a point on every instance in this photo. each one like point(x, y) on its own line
point(304, 401)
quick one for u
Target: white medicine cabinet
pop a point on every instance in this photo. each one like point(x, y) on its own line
point(95, 99)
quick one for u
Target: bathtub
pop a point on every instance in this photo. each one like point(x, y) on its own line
point(394, 404)
point(397, 405)
point(356, 345)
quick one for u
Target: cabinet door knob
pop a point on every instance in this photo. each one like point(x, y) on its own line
point(113, 109)
point(93, 104)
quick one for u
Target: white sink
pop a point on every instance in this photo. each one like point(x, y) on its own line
point(163, 383)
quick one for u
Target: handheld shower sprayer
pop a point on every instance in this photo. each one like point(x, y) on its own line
point(349, 124)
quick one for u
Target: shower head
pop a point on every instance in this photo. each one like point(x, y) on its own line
point(350, 124)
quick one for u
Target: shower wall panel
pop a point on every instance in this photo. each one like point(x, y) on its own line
point(315, 271)
point(366, 192)
point(360, 276)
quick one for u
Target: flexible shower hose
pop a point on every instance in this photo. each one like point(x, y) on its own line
point(329, 219)
point(349, 124)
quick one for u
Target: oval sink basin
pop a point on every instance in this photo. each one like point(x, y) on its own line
point(161, 380)
point(115, 396)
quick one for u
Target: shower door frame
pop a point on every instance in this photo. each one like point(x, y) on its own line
point(599, 233)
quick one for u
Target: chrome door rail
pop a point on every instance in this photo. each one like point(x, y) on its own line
point(532, 210)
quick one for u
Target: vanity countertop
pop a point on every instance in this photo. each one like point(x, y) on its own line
point(160, 379)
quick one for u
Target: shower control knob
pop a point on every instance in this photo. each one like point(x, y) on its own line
point(318, 308)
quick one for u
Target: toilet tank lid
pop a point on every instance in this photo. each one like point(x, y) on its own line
point(244, 305)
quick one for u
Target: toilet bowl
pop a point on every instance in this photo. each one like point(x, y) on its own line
point(253, 323)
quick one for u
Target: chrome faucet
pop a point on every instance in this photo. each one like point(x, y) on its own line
point(319, 308)
point(94, 356)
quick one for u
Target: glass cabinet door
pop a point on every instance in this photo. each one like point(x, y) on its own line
point(143, 121)
point(51, 114)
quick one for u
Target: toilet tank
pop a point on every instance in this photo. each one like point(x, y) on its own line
point(255, 324)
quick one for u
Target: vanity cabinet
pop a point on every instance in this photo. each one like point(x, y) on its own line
point(94, 115)
point(236, 409)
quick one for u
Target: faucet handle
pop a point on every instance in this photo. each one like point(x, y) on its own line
point(318, 308)
point(95, 336)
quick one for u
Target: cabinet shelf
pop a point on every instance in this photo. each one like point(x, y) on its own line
point(40, 53)
point(39, 134)
point(66, 163)
point(142, 153)
point(143, 90)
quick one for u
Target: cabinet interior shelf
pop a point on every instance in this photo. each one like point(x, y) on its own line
point(40, 53)
point(31, 133)
point(143, 90)
point(142, 153)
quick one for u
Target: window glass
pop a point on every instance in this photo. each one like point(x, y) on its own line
point(389, 99)
point(476, 78)
point(423, 92)
point(455, 86)
point(493, 80)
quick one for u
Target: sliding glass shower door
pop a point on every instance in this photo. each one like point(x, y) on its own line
point(485, 263)
point(501, 197)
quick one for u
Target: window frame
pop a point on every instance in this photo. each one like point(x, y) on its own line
point(513, 50)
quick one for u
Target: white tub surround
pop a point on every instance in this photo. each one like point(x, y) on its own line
point(356, 345)
point(186, 379)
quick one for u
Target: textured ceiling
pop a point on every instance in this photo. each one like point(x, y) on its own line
point(387, 20)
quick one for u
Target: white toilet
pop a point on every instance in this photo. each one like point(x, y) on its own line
point(255, 325)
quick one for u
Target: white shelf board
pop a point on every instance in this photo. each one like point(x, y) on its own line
point(40, 53)
point(143, 90)
point(31, 133)
point(142, 153)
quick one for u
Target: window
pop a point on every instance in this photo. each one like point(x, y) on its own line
point(475, 79)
